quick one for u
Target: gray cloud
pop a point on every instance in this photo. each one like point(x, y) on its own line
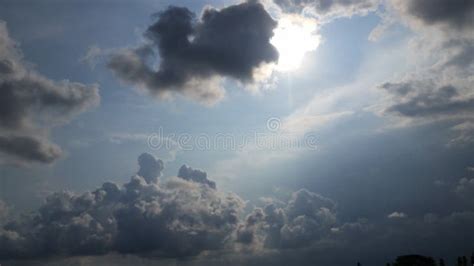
point(171, 219)
point(179, 218)
point(30, 104)
point(195, 175)
point(423, 99)
point(306, 218)
point(420, 101)
point(464, 189)
point(29, 149)
point(150, 167)
point(441, 91)
point(182, 216)
point(464, 134)
point(329, 8)
point(230, 42)
point(455, 14)
point(453, 44)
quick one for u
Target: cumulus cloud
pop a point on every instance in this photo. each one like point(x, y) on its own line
point(326, 9)
point(171, 219)
point(195, 54)
point(306, 218)
point(195, 175)
point(150, 167)
point(183, 216)
point(30, 104)
point(180, 216)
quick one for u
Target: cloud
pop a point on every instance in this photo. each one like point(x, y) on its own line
point(150, 167)
point(181, 216)
point(455, 15)
point(195, 175)
point(439, 88)
point(31, 104)
point(396, 215)
point(30, 148)
point(194, 55)
point(174, 218)
point(415, 98)
point(178, 218)
point(306, 218)
point(465, 189)
point(327, 9)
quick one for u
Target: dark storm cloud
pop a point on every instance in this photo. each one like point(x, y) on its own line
point(195, 175)
point(329, 8)
point(424, 99)
point(30, 104)
point(456, 14)
point(231, 42)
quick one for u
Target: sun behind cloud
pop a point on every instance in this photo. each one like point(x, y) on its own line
point(293, 38)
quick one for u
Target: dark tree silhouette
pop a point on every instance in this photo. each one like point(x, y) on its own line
point(414, 260)
point(441, 262)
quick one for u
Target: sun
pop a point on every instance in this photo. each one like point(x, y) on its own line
point(293, 38)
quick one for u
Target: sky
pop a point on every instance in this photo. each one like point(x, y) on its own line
point(271, 132)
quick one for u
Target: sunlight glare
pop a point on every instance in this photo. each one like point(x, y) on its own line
point(293, 38)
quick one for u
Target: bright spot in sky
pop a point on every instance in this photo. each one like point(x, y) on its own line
point(293, 38)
